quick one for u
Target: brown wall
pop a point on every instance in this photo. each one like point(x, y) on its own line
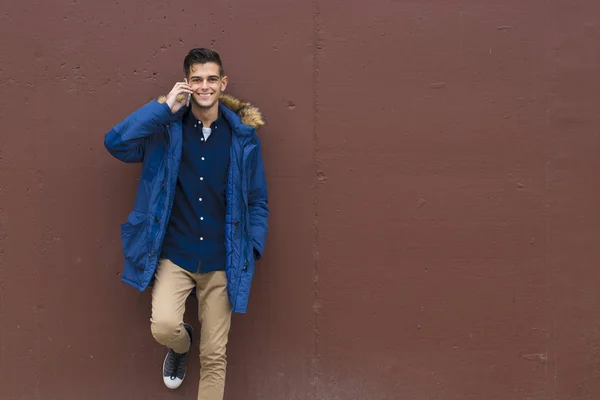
point(433, 178)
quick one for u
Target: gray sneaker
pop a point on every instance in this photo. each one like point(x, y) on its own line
point(174, 365)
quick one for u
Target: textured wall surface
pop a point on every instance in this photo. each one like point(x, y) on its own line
point(433, 176)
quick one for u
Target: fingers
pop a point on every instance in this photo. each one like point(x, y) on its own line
point(180, 92)
point(181, 87)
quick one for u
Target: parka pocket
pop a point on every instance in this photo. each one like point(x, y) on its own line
point(134, 239)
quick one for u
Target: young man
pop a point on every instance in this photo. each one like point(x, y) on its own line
point(200, 215)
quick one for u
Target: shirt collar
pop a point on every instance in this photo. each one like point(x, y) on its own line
point(190, 119)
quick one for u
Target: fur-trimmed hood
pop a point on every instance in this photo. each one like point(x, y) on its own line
point(249, 114)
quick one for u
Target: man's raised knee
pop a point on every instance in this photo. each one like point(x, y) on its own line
point(165, 330)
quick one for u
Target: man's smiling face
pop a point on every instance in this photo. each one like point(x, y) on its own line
point(207, 84)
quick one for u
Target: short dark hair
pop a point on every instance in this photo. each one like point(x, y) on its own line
point(201, 56)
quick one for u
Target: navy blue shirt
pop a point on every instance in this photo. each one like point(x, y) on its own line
point(195, 238)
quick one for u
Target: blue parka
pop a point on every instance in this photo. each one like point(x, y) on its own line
point(153, 135)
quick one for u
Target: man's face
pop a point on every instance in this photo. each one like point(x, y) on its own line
point(207, 84)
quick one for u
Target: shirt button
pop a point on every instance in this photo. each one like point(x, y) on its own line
point(195, 126)
point(201, 238)
point(202, 158)
point(202, 139)
point(201, 218)
point(201, 178)
point(200, 199)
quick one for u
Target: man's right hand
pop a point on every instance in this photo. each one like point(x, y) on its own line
point(177, 98)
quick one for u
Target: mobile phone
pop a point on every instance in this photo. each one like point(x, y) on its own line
point(189, 95)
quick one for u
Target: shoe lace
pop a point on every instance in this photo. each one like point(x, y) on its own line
point(175, 364)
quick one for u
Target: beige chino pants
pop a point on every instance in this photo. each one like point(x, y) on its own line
point(172, 287)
